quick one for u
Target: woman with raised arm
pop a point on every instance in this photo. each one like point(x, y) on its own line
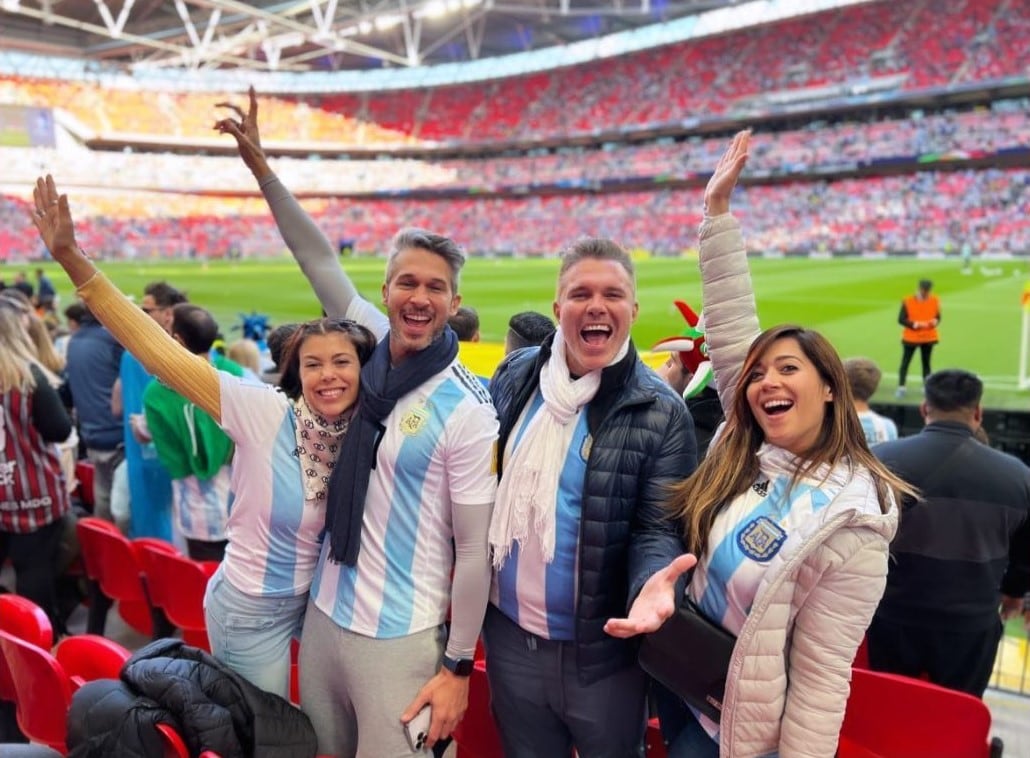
point(789, 515)
point(286, 446)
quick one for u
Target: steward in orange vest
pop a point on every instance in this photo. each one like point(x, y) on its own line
point(920, 314)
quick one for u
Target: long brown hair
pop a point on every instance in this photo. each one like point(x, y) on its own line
point(731, 465)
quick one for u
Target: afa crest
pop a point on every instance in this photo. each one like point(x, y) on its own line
point(586, 447)
point(414, 420)
point(761, 539)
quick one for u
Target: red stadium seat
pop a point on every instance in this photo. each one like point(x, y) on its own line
point(654, 744)
point(25, 620)
point(893, 716)
point(86, 657)
point(84, 474)
point(177, 584)
point(44, 686)
point(43, 690)
point(116, 575)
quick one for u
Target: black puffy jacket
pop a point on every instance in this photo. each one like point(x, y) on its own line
point(211, 706)
point(643, 441)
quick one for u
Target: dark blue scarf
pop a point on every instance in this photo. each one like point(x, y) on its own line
point(381, 388)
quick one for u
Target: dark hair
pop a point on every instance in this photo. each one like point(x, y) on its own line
point(420, 239)
point(197, 328)
point(597, 248)
point(16, 300)
point(277, 340)
point(363, 340)
point(75, 312)
point(953, 389)
point(528, 329)
point(863, 376)
point(732, 464)
point(164, 294)
point(465, 323)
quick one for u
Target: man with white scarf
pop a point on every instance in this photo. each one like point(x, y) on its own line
point(589, 440)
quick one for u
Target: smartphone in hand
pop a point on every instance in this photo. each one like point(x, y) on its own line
point(417, 730)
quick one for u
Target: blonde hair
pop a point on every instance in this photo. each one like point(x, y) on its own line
point(245, 353)
point(39, 335)
point(731, 465)
point(16, 353)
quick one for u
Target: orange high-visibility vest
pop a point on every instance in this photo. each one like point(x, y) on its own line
point(921, 310)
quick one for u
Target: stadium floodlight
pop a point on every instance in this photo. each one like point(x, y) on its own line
point(387, 21)
point(432, 9)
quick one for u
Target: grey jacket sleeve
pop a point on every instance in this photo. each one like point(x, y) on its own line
point(318, 260)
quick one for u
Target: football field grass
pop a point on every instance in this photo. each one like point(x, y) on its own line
point(854, 302)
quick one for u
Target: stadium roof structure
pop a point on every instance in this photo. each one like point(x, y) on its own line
point(317, 35)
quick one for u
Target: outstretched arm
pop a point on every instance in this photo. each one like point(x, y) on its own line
point(310, 247)
point(188, 374)
point(731, 315)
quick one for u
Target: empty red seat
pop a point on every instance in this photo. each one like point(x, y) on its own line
point(894, 716)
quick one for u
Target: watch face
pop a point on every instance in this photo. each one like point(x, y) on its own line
point(460, 667)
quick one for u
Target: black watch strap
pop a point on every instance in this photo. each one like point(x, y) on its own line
point(458, 666)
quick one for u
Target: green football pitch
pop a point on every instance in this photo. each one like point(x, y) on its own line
point(854, 302)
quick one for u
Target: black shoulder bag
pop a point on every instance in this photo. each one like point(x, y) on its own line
point(690, 655)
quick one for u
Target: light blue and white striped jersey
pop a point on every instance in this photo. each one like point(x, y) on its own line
point(541, 597)
point(438, 449)
point(274, 534)
point(201, 506)
point(757, 529)
point(877, 428)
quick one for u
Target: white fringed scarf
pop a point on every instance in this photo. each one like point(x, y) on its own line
point(527, 493)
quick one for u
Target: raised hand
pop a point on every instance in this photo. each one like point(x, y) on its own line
point(53, 219)
point(656, 602)
point(244, 128)
point(724, 179)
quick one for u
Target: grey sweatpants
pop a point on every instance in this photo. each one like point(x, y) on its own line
point(355, 688)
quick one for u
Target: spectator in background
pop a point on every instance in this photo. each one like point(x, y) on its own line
point(91, 371)
point(33, 496)
point(245, 353)
point(47, 356)
point(191, 446)
point(465, 323)
point(73, 316)
point(276, 340)
point(23, 285)
point(864, 378)
point(527, 329)
point(46, 295)
point(963, 548)
point(919, 316)
point(150, 486)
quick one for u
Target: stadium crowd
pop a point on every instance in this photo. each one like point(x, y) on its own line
point(920, 45)
point(925, 212)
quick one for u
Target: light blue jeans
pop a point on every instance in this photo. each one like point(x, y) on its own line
point(252, 634)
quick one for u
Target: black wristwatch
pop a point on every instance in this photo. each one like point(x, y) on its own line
point(458, 666)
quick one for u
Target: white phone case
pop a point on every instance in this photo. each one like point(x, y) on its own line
point(417, 730)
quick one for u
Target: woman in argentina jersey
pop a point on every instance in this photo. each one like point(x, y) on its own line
point(789, 515)
point(286, 445)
